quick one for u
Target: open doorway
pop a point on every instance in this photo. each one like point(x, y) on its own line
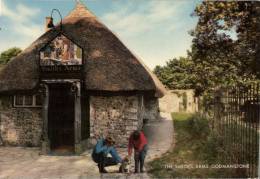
point(61, 118)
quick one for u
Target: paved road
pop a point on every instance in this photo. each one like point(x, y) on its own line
point(18, 162)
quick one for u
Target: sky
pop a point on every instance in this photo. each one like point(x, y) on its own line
point(154, 30)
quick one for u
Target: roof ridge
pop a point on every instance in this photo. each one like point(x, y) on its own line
point(80, 10)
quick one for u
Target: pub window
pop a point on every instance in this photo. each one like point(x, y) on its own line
point(18, 100)
point(38, 100)
point(27, 101)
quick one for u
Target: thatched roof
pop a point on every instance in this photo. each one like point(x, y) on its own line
point(109, 65)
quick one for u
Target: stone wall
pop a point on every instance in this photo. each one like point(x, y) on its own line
point(116, 116)
point(151, 109)
point(174, 101)
point(19, 126)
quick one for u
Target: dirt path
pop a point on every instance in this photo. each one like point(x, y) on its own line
point(160, 140)
point(19, 162)
point(160, 136)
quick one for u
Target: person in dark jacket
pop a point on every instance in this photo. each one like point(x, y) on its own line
point(138, 141)
point(100, 152)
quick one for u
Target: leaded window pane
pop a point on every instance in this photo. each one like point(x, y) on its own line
point(19, 100)
point(38, 100)
point(28, 101)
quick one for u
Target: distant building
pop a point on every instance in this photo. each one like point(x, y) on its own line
point(75, 83)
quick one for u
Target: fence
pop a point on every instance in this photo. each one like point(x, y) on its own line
point(236, 120)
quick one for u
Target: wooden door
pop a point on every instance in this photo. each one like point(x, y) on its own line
point(61, 116)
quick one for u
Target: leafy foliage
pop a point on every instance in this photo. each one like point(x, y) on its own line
point(225, 48)
point(198, 126)
point(8, 54)
point(177, 73)
point(227, 59)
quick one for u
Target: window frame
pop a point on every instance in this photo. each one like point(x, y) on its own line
point(23, 105)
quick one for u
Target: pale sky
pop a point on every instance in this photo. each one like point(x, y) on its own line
point(154, 30)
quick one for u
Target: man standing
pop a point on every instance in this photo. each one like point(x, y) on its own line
point(138, 141)
point(100, 152)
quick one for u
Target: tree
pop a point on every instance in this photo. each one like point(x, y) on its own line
point(225, 48)
point(177, 73)
point(225, 59)
point(5, 56)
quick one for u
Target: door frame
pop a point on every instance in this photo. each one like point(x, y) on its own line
point(76, 89)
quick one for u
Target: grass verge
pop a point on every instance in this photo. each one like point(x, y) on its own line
point(195, 151)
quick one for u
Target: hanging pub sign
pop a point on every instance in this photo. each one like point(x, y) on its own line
point(61, 55)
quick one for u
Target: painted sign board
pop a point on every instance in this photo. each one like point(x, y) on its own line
point(61, 51)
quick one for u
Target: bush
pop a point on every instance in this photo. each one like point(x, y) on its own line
point(198, 126)
point(212, 148)
point(6, 56)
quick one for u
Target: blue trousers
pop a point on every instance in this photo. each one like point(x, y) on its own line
point(103, 160)
point(139, 159)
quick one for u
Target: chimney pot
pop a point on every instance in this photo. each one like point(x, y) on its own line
point(48, 20)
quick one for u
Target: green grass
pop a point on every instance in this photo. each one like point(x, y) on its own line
point(194, 146)
point(181, 116)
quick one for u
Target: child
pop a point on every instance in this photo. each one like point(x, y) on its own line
point(138, 141)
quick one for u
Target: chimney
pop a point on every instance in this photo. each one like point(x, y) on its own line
point(48, 20)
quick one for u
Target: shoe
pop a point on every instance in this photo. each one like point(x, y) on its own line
point(99, 168)
point(104, 171)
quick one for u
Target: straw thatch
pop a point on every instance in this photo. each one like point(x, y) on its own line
point(109, 65)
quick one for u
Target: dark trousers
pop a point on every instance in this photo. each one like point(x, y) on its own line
point(139, 159)
point(103, 161)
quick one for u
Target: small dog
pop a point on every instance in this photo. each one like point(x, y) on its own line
point(125, 166)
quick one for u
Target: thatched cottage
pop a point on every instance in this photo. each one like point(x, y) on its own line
point(76, 82)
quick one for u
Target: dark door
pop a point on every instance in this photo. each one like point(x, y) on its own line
point(61, 117)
